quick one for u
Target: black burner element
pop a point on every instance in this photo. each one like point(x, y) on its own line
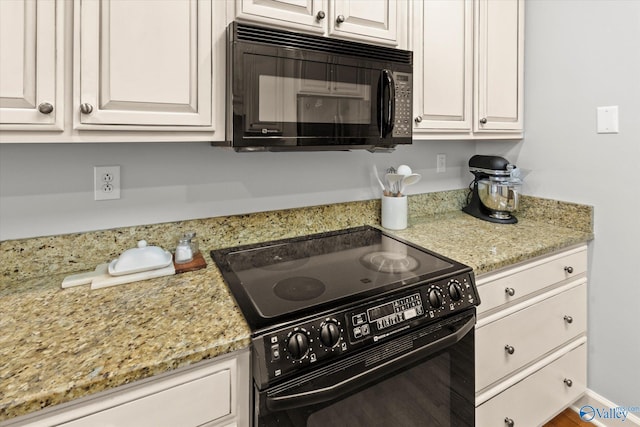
point(299, 288)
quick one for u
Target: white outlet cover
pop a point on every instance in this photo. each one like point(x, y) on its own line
point(607, 121)
point(106, 188)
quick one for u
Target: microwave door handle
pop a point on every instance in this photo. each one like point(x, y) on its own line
point(297, 400)
point(389, 101)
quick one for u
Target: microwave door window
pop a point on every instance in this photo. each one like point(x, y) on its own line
point(306, 100)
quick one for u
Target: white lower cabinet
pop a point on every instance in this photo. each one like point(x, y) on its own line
point(531, 340)
point(539, 396)
point(210, 393)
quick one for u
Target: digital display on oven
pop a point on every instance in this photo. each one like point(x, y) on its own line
point(380, 311)
point(402, 78)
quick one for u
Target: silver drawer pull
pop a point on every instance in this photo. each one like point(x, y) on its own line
point(509, 422)
point(509, 349)
point(568, 382)
point(568, 319)
point(568, 269)
point(510, 291)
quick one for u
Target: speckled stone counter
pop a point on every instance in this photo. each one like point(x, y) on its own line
point(58, 345)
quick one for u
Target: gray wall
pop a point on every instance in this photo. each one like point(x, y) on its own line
point(47, 189)
point(580, 55)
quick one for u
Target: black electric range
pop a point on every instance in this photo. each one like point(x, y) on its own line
point(333, 313)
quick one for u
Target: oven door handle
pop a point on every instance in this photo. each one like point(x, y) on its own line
point(296, 400)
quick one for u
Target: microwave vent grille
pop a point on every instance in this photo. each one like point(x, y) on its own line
point(250, 33)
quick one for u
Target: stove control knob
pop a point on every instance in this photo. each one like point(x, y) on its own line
point(455, 290)
point(435, 298)
point(298, 345)
point(329, 333)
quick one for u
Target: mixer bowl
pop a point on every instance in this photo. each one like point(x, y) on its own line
point(499, 196)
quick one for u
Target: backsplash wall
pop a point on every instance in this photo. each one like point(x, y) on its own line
point(47, 189)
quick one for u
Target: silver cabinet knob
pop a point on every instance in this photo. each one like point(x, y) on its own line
point(86, 108)
point(509, 422)
point(45, 108)
point(340, 19)
point(509, 349)
point(568, 319)
point(510, 291)
point(418, 119)
point(483, 121)
point(568, 382)
point(320, 15)
point(568, 269)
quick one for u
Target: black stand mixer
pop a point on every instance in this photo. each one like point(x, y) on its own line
point(494, 190)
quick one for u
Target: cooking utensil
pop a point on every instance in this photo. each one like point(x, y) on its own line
point(394, 179)
point(409, 180)
point(404, 170)
point(382, 187)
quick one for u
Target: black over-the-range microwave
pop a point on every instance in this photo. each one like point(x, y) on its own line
point(289, 91)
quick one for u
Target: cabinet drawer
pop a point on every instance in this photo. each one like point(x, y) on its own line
point(541, 395)
point(530, 332)
point(189, 404)
point(517, 283)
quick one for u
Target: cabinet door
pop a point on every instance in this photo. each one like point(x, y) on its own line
point(365, 20)
point(500, 54)
point(30, 67)
point(144, 62)
point(292, 14)
point(443, 64)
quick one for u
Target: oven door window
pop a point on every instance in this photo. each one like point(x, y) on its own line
point(289, 98)
point(436, 391)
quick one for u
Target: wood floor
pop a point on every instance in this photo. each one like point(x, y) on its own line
point(567, 418)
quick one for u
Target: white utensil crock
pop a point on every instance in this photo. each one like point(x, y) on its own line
point(394, 212)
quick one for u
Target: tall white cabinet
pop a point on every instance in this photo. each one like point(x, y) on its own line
point(31, 64)
point(468, 68)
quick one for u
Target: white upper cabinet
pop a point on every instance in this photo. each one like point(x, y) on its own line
point(443, 64)
point(500, 57)
point(143, 62)
point(31, 64)
point(468, 68)
point(365, 21)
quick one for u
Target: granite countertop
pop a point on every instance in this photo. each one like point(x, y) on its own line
point(58, 345)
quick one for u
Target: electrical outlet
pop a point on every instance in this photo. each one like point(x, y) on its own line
point(441, 163)
point(106, 182)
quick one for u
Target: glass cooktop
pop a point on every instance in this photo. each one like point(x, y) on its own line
point(293, 277)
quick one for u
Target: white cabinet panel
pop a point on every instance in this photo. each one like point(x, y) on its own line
point(352, 18)
point(536, 398)
point(190, 405)
point(443, 58)
point(296, 13)
point(562, 317)
point(500, 58)
point(31, 64)
point(360, 20)
point(513, 285)
point(145, 62)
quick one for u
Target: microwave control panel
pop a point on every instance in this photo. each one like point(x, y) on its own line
point(403, 111)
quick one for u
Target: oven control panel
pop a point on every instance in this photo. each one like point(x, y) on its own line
point(293, 348)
